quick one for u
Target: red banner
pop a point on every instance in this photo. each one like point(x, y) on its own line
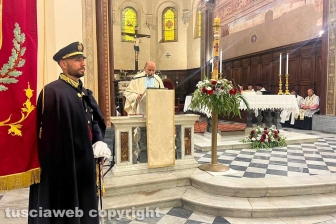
point(19, 166)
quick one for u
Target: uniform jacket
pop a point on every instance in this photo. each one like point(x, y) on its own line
point(71, 122)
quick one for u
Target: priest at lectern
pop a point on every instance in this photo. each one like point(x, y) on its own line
point(138, 86)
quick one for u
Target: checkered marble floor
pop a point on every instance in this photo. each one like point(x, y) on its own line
point(179, 215)
point(175, 215)
point(294, 160)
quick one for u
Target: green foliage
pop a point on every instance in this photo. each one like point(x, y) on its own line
point(218, 95)
point(9, 72)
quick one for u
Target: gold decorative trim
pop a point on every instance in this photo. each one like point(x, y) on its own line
point(331, 68)
point(106, 65)
point(15, 127)
point(72, 54)
point(124, 146)
point(187, 141)
point(69, 80)
point(20, 180)
point(88, 34)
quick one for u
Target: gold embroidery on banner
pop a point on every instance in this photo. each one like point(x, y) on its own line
point(14, 129)
point(0, 24)
point(9, 72)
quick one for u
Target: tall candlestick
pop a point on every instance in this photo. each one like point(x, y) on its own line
point(212, 64)
point(280, 64)
point(220, 61)
point(216, 28)
point(287, 63)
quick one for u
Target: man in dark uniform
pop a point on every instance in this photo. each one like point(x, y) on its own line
point(71, 130)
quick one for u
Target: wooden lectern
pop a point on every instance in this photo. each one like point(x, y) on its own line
point(158, 107)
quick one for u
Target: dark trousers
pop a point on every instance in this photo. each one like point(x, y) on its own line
point(287, 124)
point(305, 124)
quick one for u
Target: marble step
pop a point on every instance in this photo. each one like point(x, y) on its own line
point(203, 143)
point(302, 205)
point(311, 219)
point(263, 187)
point(147, 182)
point(155, 199)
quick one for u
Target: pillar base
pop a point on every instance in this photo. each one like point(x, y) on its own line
point(214, 167)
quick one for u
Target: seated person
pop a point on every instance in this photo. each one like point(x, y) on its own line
point(260, 89)
point(250, 88)
point(287, 116)
point(309, 106)
point(139, 84)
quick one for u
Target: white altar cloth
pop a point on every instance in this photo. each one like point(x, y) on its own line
point(256, 102)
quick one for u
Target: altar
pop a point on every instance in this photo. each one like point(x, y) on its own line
point(267, 103)
point(129, 145)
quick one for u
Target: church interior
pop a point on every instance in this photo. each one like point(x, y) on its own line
point(274, 46)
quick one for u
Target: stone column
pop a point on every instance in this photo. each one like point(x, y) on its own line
point(206, 37)
point(329, 47)
point(111, 55)
point(207, 43)
point(90, 43)
point(103, 66)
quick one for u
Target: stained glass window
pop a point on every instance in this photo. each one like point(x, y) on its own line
point(169, 25)
point(129, 24)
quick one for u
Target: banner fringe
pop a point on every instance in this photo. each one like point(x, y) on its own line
point(20, 180)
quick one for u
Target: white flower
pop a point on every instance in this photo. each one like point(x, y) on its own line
point(199, 84)
point(253, 139)
point(258, 138)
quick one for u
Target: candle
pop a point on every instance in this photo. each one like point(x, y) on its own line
point(287, 64)
point(220, 61)
point(280, 64)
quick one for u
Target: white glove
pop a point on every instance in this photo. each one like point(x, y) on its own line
point(100, 149)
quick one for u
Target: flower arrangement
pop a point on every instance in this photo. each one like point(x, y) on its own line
point(265, 138)
point(221, 96)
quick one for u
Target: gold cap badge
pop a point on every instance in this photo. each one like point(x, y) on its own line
point(80, 46)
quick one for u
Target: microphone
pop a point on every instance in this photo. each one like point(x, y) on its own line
point(147, 76)
point(139, 77)
point(157, 81)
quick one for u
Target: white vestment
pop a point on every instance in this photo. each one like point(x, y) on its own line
point(285, 114)
point(314, 106)
point(136, 87)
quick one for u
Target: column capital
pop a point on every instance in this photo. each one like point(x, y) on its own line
point(207, 7)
